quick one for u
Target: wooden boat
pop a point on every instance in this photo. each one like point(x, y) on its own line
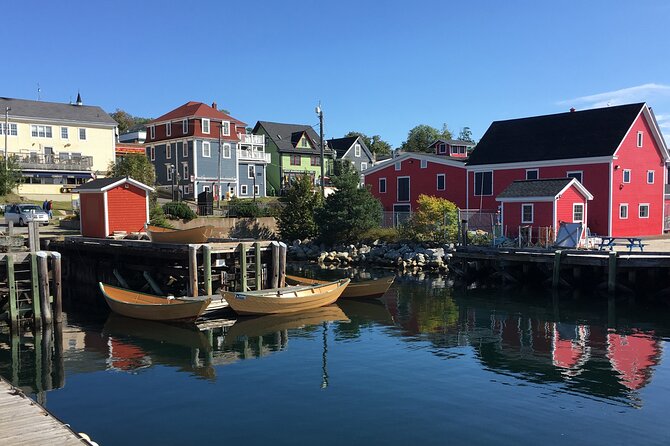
point(366, 289)
point(193, 235)
point(155, 308)
point(285, 300)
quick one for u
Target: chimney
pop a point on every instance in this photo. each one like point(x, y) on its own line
point(214, 106)
point(572, 109)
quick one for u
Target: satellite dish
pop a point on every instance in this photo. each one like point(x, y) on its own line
point(317, 109)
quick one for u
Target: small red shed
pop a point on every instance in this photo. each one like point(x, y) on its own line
point(113, 204)
point(543, 203)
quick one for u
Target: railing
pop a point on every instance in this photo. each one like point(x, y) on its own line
point(37, 161)
point(251, 139)
point(394, 219)
point(254, 155)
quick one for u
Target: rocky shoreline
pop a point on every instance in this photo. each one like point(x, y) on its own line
point(404, 256)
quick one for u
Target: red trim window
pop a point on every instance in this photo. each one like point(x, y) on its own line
point(295, 160)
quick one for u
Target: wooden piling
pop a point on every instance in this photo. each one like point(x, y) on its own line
point(611, 272)
point(282, 264)
point(35, 284)
point(57, 287)
point(207, 267)
point(275, 265)
point(11, 284)
point(556, 276)
point(43, 271)
point(258, 271)
point(33, 236)
point(243, 267)
point(193, 270)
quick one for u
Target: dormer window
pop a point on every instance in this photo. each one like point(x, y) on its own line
point(640, 139)
point(168, 129)
point(225, 128)
point(184, 126)
point(357, 150)
point(304, 142)
point(152, 132)
point(205, 125)
point(442, 148)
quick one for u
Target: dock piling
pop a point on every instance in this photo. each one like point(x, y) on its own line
point(243, 267)
point(11, 285)
point(207, 266)
point(556, 276)
point(611, 272)
point(57, 285)
point(193, 270)
point(258, 269)
point(44, 295)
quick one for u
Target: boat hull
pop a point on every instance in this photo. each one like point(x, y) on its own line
point(154, 308)
point(193, 235)
point(368, 289)
point(285, 300)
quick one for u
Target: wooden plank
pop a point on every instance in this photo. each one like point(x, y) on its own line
point(193, 270)
point(43, 270)
point(57, 286)
point(207, 266)
point(258, 269)
point(243, 267)
point(282, 264)
point(13, 304)
point(275, 265)
point(35, 291)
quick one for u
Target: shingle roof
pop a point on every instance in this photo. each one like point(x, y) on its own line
point(342, 145)
point(453, 142)
point(284, 134)
point(22, 108)
point(98, 184)
point(581, 134)
point(535, 188)
point(197, 109)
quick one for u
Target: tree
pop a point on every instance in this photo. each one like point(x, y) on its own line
point(375, 143)
point(420, 137)
point(136, 166)
point(127, 121)
point(348, 212)
point(10, 175)
point(435, 219)
point(466, 135)
point(296, 220)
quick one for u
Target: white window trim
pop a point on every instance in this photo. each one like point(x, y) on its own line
point(532, 212)
point(251, 171)
point(184, 149)
point(152, 153)
point(364, 166)
point(244, 189)
point(184, 170)
point(168, 129)
point(225, 129)
point(380, 185)
point(441, 148)
point(623, 176)
point(184, 126)
point(398, 165)
point(622, 206)
point(152, 131)
point(640, 139)
point(653, 176)
point(444, 182)
point(227, 148)
point(474, 179)
point(209, 149)
point(67, 133)
point(202, 126)
point(639, 210)
point(537, 171)
point(357, 150)
point(85, 134)
point(409, 190)
point(574, 206)
point(424, 164)
point(168, 152)
point(12, 125)
point(169, 172)
point(580, 172)
point(257, 190)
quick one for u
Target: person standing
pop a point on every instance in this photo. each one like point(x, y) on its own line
point(49, 208)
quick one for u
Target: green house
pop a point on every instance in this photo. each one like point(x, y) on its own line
point(294, 150)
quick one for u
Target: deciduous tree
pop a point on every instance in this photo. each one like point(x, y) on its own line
point(422, 135)
point(375, 143)
point(435, 219)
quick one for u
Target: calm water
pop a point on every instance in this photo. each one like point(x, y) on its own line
point(426, 365)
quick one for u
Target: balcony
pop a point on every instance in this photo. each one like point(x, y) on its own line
point(247, 139)
point(253, 155)
point(36, 161)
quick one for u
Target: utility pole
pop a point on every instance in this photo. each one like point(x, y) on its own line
point(172, 172)
point(6, 130)
point(218, 187)
point(319, 113)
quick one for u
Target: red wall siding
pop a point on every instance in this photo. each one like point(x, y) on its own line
point(639, 160)
point(543, 214)
point(92, 215)
point(422, 181)
point(127, 209)
point(564, 206)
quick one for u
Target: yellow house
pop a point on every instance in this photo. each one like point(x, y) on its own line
point(57, 145)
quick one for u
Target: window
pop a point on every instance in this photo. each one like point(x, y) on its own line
point(152, 153)
point(82, 134)
point(226, 150)
point(532, 174)
point(650, 177)
point(640, 139)
point(257, 190)
point(168, 151)
point(252, 171)
point(295, 160)
point(357, 150)
point(644, 210)
point(187, 189)
point(577, 212)
point(403, 189)
point(225, 128)
point(184, 126)
point(12, 129)
point(304, 142)
point(184, 149)
point(526, 213)
point(424, 164)
point(64, 133)
point(152, 132)
point(382, 185)
point(184, 169)
point(577, 174)
point(168, 168)
point(623, 211)
point(483, 183)
point(364, 166)
point(243, 189)
point(206, 149)
point(168, 129)
point(40, 131)
point(442, 148)
point(398, 165)
point(441, 181)
point(315, 161)
point(205, 125)
point(626, 175)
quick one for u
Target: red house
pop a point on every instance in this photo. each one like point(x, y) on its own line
point(452, 147)
point(113, 204)
point(398, 182)
point(617, 153)
point(543, 204)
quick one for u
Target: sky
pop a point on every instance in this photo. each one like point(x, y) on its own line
point(378, 67)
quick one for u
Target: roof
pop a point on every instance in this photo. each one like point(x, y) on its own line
point(342, 145)
point(543, 188)
point(452, 161)
point(197, 109)
point(23, 108)
point(284, 136)
point(580, 134)
point(105, 184)
point(453, 142)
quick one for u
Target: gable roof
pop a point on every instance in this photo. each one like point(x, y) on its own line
point(198, 110)
point(284, 136)
point(453, 142)
point(580, 134)
point(541, 189)
point(22, 108)
point(452, 161)
point(342, 145)
point(105, 184)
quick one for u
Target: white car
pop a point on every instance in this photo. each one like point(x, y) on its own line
point(21, 214)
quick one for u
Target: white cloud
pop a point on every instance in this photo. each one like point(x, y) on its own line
point(640, 93)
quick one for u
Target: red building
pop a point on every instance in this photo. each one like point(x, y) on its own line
point(543, 204)
point(398, 182)
point(113, 204)
point(452, 147)
point(617, 153)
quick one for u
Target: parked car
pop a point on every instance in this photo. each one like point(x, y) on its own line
point(21, 214)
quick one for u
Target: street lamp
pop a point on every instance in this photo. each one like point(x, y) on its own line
point(319, 113)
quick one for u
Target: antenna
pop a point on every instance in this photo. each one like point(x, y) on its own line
point(39, 90)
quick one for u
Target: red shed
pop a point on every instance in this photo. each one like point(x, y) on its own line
point(543, 203)
point(113, 204)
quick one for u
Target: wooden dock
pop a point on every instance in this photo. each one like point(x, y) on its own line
point(24, 422)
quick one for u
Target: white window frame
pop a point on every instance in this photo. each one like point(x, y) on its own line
point(227, 152)
point(152, 153)
point(168, 129)
point(46, 131)
point(474, 190)
point(640, 139)
point(441, 148)
point(184, 126)
point(225, 128)
point(532, 212)
point(169, 171)
point(184, 170)
point(444, 182)
point(364, 166)
point(244, 189)
point(203, 126)
point(639, 210)
point(64, 131)
point(409, 190)
point(650, 176)
point(206, 153)
point(187, 189)
point(623, 177)
point(82, 131)
point(537, 174)
point(357, 150)
point(13, 129)
point(152, 131)
point(573, 172)
point(623, 206)
point(257, 190)
point(382, 181)
point(398, 165)
point(574, 208)
point(424, 164)
point(168, 151)
point(251, 171)
point(184, 149)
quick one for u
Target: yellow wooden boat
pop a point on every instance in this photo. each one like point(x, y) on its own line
point(155, 308)
point(199, 234)
point(366, 289)
point(285, 300)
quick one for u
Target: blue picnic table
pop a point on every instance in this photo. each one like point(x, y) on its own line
point(608, 243)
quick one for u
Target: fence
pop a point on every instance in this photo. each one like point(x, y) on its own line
point(479, 220)
point(394, 219)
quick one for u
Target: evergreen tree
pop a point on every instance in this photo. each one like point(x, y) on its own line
point(296, 220)
point(466, 135)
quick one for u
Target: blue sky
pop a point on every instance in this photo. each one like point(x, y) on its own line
point(378, 67)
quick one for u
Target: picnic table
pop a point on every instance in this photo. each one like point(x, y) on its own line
point(608, 243)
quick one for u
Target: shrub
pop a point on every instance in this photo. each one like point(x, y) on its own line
point(179, 210)
point(387, 235)
point(244, 208)
point(435, 220)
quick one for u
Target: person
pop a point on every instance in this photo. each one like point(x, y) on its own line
point(49, 208)
point(44, 205)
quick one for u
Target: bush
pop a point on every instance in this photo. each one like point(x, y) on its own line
point(387, 235)
point(244, 208)
point(435, 220)
point(179, 210)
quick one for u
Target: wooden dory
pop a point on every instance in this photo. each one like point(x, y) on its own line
point(366, 289)
point(285, 300)
point(155, 308)
point(193, 235)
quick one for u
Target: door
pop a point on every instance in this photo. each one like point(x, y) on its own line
point(48, 155)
